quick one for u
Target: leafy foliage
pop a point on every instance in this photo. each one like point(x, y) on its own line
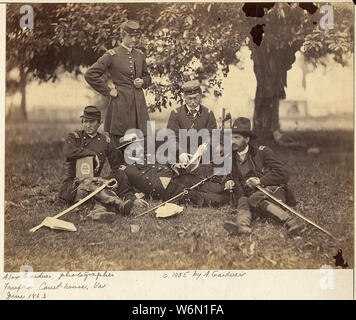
point(337, 42)
point(191, 40)
point(69, 35)
point(181, 40)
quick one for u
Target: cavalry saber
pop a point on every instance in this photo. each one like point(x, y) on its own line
point(295, 212)
point(185, 192)
point(109, 183)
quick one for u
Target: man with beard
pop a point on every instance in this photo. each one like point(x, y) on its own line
point(253, 166)
point(192, 115)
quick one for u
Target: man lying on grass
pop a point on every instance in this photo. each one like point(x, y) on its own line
point(164, 181)
point(86, 151)
point(253, 166)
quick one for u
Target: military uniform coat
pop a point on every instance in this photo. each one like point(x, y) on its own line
point(128, 109)
point(262, 163)
point(79, 145)
point(146, 178)
point(182, 119)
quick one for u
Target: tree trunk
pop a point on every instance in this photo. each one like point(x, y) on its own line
point(266, 117)
point(270, 67)
point(23, 113)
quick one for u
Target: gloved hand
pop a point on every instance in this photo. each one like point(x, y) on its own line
point(138, 82)
point(113, 93)
point(140, 203)
point(96, 163)
point(175, 167)
point(253, 182)
point(229, 185)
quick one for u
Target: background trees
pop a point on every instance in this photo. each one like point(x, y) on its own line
point(183, 40)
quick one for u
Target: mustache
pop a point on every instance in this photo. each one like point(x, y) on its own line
point(192, 103)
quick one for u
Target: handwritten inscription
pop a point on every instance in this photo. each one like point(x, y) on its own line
point(46, 283)
point(202, 274)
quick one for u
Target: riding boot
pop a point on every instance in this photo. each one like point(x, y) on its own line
point(109, 198)
point(242, 225)
point(100, 214)
point(292, 224)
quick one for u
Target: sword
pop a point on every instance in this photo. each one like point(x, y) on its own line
point(109, 183)
point(183, 193)
point(280, 202)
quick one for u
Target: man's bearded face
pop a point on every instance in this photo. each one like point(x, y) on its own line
point(193, 101)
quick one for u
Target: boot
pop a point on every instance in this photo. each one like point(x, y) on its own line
point(244, 221)
point(127, 207)
point(292, 224)
point(109, 198)
point(121, 206)
point(241, 225)
point(231, 227)
point(100, 214)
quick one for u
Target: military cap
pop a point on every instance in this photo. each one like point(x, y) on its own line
point(91, 112)
point(191, 87)
point(243, 126)
point(130, 26)
point(128, 139)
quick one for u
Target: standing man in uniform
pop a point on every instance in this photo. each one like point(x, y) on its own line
point(192, 115)
point(88, 142)
point(253, 166)
point(128, 70)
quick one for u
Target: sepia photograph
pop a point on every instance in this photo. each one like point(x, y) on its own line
point(179, 136)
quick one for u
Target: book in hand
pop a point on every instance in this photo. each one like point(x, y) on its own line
point(85, 167)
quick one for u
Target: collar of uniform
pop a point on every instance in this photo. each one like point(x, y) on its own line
point(189, 110)
point(127, 48)
point(90, 136)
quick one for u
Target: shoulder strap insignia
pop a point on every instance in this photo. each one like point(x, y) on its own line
point(261, 147)
point(112, 52)
point(76, 134)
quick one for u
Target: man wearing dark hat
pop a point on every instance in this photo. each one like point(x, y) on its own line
point(253, 166)
point(128, 70)
point(192, 115)
point(83, 177)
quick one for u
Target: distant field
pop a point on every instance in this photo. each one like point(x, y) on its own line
point(331, 122)
point(323, 186)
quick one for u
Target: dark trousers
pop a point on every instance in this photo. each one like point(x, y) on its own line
point(256, 200)
point(259, 202)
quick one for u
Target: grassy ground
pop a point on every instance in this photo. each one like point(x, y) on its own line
point(323, 186)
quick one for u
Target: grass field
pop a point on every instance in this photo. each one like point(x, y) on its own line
point(323, 186)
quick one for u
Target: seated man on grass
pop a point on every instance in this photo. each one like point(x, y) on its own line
point(254, 166)
point(86, 151)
